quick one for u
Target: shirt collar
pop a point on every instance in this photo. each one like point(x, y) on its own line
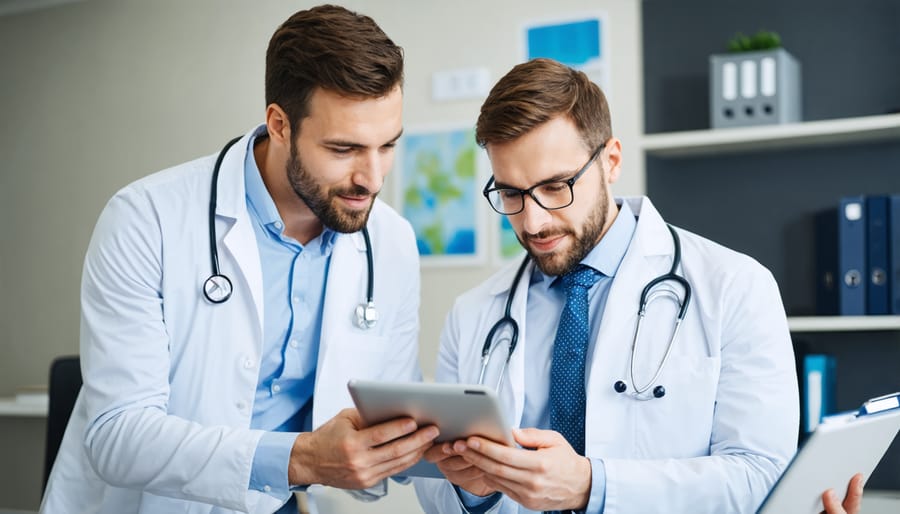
point(260, 201)
point(258, 196)
point(607, 255)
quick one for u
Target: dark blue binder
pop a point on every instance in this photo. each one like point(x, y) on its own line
point(894, 253)
point(852, 256)
point(877, 290)
point(826, 269)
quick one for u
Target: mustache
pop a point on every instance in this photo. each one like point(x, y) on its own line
point(544, 234)
point(354, 190)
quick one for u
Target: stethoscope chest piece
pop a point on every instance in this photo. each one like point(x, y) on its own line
point(366, 315)
point(217, 288)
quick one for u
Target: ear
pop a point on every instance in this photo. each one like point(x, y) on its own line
point(278, 125)
point(613, 158)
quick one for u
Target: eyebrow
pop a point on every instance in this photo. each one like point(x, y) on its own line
point(353, 144)
point(559, 177)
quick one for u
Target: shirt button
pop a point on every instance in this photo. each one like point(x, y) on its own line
point(296, 299)
point(294, 343)
point(267, 488)
point(276, 388)
point(279, 225)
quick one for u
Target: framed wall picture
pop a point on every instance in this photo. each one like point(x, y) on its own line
point(441, 173)
point(576, 40)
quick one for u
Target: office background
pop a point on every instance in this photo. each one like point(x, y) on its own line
point(96, 93)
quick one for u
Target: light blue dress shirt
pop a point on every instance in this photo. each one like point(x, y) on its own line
point(545, 302)
point(294, 278)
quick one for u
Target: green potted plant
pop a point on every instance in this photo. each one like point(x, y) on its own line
point(757, 82)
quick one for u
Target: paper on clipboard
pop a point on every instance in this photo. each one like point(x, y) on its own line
point(839, 448)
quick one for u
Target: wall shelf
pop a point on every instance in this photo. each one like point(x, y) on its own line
point(866, 129)
point(9, 407)
point(843, 323)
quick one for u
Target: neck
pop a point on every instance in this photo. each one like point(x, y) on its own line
point(299, 221)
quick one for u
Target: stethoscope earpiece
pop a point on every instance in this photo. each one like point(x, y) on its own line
point(658, 391)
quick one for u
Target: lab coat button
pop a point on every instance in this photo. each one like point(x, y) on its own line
point(240, 405)
point(248, 363)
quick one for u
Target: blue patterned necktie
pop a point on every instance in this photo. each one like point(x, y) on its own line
point(567, 395)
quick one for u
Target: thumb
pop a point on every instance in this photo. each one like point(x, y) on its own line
point(535, 438)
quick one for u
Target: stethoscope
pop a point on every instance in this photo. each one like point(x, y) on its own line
point(647, 296)
point(218, 287)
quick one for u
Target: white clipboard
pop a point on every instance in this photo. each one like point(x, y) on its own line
point(840, 447)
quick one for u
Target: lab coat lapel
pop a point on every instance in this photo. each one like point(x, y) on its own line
point(648, 256)
point(239, 239)
point(513, 392)
point(345, 287)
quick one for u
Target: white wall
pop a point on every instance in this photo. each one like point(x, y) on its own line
point(95, 94)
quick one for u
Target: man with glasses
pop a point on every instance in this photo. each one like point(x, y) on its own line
point(698, 415)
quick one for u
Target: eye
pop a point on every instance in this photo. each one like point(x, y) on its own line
point(340, 150)
point(554, 187)
point(508, 194)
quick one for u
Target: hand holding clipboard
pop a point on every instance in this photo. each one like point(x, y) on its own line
point(841, 446)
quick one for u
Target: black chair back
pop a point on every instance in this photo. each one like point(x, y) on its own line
point(63, 388)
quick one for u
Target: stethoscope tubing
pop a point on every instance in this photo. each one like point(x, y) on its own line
point(488, 349)
point(366, 312)
point(647, 296)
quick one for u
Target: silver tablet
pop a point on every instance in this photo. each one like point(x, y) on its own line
point(458, 410)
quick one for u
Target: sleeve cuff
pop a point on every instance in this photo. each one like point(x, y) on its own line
point(269, 473)
point(474, 504)
point(597, 501)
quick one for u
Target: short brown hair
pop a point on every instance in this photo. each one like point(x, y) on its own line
point(332, 48)
point(537, 91)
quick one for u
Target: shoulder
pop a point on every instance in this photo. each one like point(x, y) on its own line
point(721, 271)
point(166, 194)
point(715, 257)
point(187, 180)
point(498, 284)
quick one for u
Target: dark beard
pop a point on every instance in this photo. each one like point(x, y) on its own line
point(322, 203)
point(556, 265)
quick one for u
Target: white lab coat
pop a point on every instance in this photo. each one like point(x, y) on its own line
point(727, 426)
point(162, 422)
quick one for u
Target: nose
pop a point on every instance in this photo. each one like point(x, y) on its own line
point(371, 170)
point(534, 216)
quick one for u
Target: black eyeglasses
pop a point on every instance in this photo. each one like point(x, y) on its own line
point(550, 195)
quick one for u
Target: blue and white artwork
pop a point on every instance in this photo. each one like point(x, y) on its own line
point(439, 193)
point(576, 41)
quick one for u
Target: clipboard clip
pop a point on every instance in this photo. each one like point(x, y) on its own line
point(880, 404)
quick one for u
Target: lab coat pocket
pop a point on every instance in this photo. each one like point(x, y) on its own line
point(679, 424)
